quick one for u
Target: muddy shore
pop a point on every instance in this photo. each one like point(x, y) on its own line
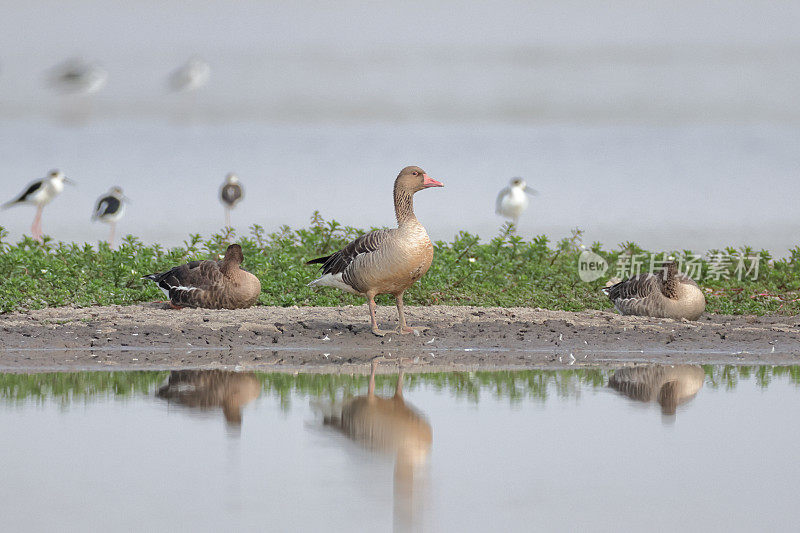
point(338, 339)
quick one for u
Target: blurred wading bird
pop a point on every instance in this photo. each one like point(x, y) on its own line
point(210, 284)
point(110, 208)
point(77, 76)
point(385, 261)
point(230, 194)
point(190, 76)
point(40, 193)
point(513, 200)
point(665, 294)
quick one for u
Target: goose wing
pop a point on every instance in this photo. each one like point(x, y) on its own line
point(192, 284)
point(640, 286)
point(366, 244)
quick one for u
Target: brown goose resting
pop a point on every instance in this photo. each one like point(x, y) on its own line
point(211, 389)
point(385, 261)
point(665, 294)
point(210, 284)
point(670, 386)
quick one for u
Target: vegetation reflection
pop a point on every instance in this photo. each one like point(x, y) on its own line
point(516, 386)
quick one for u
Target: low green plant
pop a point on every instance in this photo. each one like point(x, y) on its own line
point(505, 271)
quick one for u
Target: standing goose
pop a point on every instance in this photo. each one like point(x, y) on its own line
point(210, 284)
point(513, 200)
point(110, 208)
point(230, 194)
point(388, 426)
point(666, 294)
point(386, 261)
point(40, 193)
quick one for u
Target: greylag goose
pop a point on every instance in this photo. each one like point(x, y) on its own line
point(110, 208)
point(388, 426)
point(210, 389)
point(210, 284)
point(513, 200)
point(230, 194)
point(40, 193)
point(670, 386)
point(386, 261)
point(665, 294)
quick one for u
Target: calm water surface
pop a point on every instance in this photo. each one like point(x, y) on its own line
point(657, 448)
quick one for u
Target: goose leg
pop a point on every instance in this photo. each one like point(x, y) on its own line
point(402, 328)
point(398, 391)
point(373, 321)
point(371, 390)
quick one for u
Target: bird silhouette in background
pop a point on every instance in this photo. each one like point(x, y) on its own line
point(109, 208)
point(40, 193)
point(230, 194)
point(513, 200)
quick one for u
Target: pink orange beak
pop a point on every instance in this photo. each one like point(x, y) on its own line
point(430, 182)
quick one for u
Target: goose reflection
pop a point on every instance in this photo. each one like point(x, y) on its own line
point(670, 386)
point(212, 389)
point(388, 426)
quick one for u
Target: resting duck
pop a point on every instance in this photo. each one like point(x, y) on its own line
point(210, 284)
point(513, 200)
point(386, 261)
point(666, 294)
point(670, 386)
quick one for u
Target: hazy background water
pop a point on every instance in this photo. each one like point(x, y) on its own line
point(674, 124)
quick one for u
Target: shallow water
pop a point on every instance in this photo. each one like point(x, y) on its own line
point(697, 448)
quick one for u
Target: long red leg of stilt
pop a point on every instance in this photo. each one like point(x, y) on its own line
point(36, 228)
point(227, 217)
point(111, 237)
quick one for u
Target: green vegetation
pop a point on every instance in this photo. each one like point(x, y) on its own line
point(516, 386)
point(505, 271)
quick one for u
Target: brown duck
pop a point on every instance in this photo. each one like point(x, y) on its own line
point(665, 294)
point(670, 386)
point(386, 261)
point(210, 284)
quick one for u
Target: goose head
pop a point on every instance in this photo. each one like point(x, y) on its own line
point(234, 254)
point(413, 179)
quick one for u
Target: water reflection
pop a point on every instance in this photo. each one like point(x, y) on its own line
point(670, 386)
point(212, 389)
point(388, 426)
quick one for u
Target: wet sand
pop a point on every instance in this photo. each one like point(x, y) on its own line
point(338, 339)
